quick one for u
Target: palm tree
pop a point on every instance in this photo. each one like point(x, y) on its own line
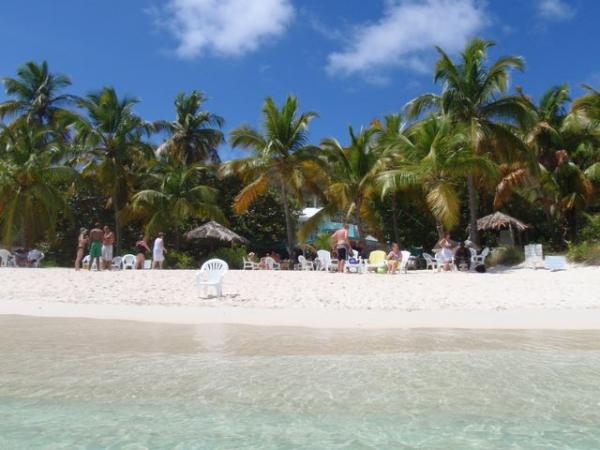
point(113, 150)
point(32, 184)
point(195, 135)
point(176, 195)
point(352, 173)
point(36, 93)
point(474, 95)
point(282, 158)
point(435, 155)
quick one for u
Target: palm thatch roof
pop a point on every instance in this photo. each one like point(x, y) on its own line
point(499, 220)
point(214, 230)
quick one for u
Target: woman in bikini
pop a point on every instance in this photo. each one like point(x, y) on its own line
point(82, 243)
point(142, 247)
point(394, 258)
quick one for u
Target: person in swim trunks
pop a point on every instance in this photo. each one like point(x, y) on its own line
point(96, 236)
point(340, 239)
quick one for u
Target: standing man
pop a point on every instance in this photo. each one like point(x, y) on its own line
point(340, 240)
point(96, 236)
point(108, 241)
point(158, 252)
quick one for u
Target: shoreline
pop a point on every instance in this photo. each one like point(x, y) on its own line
point(315, 319)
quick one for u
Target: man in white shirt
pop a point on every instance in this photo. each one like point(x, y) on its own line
point(158, 252)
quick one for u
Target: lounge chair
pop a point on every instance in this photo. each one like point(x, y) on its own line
point(211, 275)
point(554, 263)
point(129, 262)
point(324, 261)
point(305, 264)
point(431, 263)
point(7, 259)
point(147, 264)
point(534, 256)
point(249, 265)
point(376, 260)
point(85, 262)
point(117, 263)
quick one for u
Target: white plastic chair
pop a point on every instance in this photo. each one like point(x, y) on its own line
point(85, 262)
point(7, 259)
point(324, 261)
point(147, 264)
point(211, 275)
point(272, 264)
point(479, 259)
point(431, 263)
point(117, 263)
point(249, 265)
point(305, 264)
point(129, 262)
point(404, 262)
point(534, 256)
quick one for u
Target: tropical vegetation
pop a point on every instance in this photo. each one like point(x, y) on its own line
point(449, 157)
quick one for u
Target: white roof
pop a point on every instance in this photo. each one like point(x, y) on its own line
point(307, 213)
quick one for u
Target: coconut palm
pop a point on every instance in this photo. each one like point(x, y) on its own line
point(195, 135)
point(175, 195)
point(282, 158)
point(435, 155)
point(32, 184)
point(352, 173)
point(112, 147)
point(474, 95)
point(36, 94)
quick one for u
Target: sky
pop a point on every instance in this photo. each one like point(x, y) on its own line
point(349, 60)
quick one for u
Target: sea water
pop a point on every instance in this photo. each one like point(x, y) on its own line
point(85, 384)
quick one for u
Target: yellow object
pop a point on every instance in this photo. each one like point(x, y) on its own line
point(377, 257)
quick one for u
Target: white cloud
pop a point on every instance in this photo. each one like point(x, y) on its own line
point(406, 34)
point(225, 27)
point(555, 10)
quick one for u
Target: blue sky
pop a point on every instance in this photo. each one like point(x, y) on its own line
point(349, 60)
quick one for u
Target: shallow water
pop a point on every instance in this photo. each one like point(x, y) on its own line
point(71, 383)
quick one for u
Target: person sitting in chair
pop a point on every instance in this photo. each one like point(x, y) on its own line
point(462, 258)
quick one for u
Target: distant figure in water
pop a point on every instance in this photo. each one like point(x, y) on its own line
point(96, 236)
point(142, 247)
point(342, 244)
point(158, 252)
point(82, 243)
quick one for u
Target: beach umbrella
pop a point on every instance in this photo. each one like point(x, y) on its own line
point(499, 220)
point(214, 230)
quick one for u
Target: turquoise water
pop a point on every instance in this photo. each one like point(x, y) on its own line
point(83, 384)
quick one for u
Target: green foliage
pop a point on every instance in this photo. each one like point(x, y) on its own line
point(505, 256)
point(322, 242)
point(231, 255)
point(587, 252)
point(180, 260)
point(591, 230)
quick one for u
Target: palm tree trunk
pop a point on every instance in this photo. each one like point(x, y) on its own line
point(288, 220)
point(473, 210)
point(395, 218)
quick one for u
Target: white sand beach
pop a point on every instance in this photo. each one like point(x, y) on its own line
point(503, 298)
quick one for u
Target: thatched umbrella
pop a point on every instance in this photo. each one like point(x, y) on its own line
point(499, 221)
point(214, 230)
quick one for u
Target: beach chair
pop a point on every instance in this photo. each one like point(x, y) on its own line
point(211, 275)
point(129, 262)
point(324, 261)
point(534, 256)
point(7, 259)
point(85, 262)
point(272, 264)
point(404, 263)
point(479, 259)
point(431, 262)
point(147, 264)
point(376, 260)
point(249, 265)
point(36, 264)
point(305, 264)
point(554, 263)
point(117, 263)
point(440, 262)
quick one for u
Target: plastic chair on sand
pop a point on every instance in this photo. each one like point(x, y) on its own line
point(272, 264)
point(534, 256)
point(147, 264)
point(324, 261)
point(305, 264)
point(85, 262)
point(376, 260)
point(7, 259)
point(117, 263)
point(249, 265)
point(431, 263)
point(479, 259)
point(129, 262)
point(211, 275)
point(404, 262)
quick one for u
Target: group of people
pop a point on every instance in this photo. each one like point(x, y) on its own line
point(101, 240)
point(451, 253)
